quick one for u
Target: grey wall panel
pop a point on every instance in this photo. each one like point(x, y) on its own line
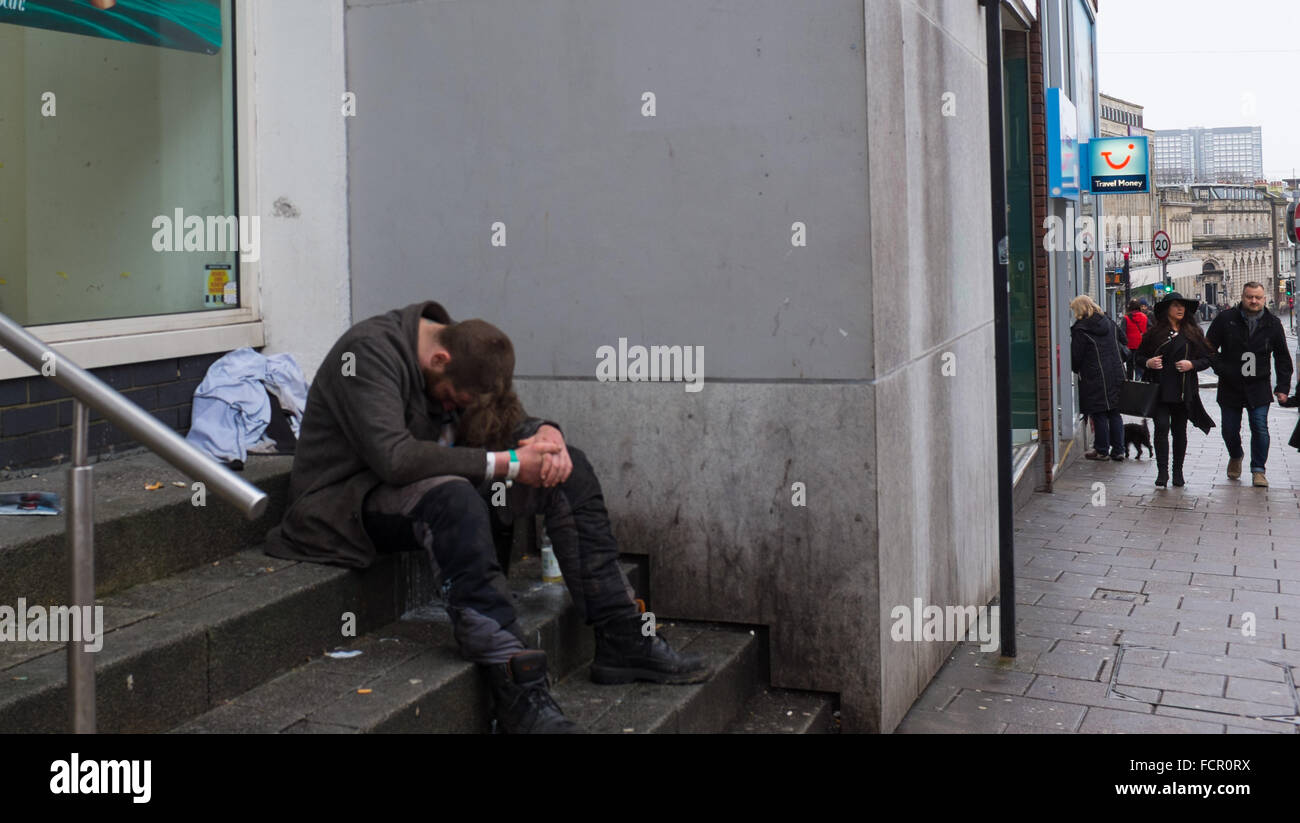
point(671, 230)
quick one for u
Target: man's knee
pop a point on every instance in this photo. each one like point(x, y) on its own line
point(453, 498)
point(1259, 419)
point(452, 521)
point(579, 458)
point(582, 481)
point(404, 500)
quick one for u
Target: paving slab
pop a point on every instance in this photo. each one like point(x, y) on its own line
point(1024, 710)
point(1111, 721)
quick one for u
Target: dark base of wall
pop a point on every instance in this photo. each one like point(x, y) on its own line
point(36, 413)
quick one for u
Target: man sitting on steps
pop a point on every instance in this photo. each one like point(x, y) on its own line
point(409, 423)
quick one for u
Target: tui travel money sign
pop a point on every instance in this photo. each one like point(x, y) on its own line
point(1117, 165)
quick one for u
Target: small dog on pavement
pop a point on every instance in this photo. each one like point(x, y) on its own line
point(1138, 435)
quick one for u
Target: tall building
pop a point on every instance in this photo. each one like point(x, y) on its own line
point(1232, 154)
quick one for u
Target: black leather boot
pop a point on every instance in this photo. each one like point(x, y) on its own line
point(522, 700)
point(1178, 473)
point(626, 650)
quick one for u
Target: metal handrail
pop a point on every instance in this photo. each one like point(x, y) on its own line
point(90, 392)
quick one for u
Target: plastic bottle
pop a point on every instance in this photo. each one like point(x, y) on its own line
point(550, 566)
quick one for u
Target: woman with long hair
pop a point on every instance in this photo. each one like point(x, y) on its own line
point(1173, 350)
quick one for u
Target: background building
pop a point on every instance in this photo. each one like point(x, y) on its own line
point(1231, 154)
point(1232, 231)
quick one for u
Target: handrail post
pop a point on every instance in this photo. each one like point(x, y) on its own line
point(81, 557)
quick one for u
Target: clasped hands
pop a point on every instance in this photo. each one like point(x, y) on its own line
point(1159, 362)
point(544, 459)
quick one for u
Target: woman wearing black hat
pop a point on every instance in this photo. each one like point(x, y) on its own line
point(1174, 350)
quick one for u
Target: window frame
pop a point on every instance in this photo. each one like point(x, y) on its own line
point(116, 341)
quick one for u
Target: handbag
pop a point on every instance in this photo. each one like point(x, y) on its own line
point(1138, 398)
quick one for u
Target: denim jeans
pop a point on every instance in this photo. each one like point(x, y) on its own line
point(1109, 433)
point(1231, 422)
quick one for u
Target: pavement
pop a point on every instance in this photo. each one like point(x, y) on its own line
point(1145, 610)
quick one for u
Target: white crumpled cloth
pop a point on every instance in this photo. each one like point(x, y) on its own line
point(231, 411)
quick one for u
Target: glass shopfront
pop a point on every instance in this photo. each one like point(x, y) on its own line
point(1020, 239)
point(117, 161)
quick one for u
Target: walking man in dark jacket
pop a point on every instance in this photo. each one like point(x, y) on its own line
point(1243, 338)
point(387, 462)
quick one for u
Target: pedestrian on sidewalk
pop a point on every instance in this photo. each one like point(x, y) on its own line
point(1174, 350)
point(1242, 338)
point(1098, 356)
point(1135, 325)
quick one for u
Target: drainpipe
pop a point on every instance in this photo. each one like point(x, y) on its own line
point(1001, 328)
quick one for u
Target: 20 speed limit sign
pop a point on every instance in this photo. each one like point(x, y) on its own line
point(1160, 245)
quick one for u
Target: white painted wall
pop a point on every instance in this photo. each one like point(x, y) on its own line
point(298, 158)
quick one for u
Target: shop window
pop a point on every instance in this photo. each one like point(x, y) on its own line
point(117, 145)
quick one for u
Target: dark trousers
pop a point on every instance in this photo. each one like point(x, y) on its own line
point(1108, 430)
point(1135, 368)
point(585, 549)
point(1170, 417)
point(452, 522)
point(1231, 423)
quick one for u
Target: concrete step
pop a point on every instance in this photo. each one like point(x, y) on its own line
point(643, 708)
point(140, 535)
point(175, 647)
point(787, 711)
point(416, 679)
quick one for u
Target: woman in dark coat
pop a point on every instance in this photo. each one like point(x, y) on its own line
point(1173, 351)
point(1098, 356)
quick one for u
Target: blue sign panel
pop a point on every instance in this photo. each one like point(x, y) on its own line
point(1062, 146)
point(1117, 165)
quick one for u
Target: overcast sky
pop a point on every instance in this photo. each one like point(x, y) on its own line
point(1208, 63)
